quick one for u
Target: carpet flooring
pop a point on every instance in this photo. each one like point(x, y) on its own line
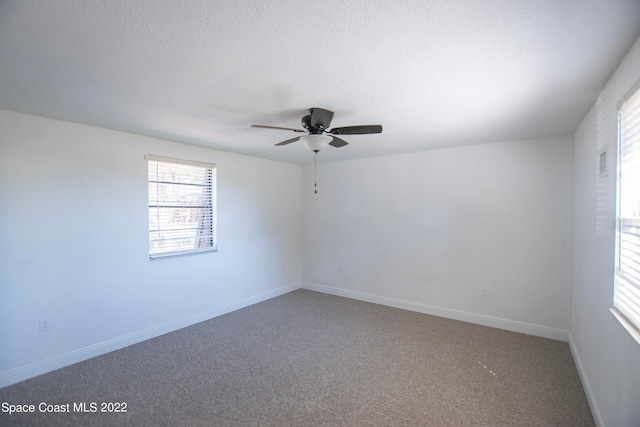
point(310, 359)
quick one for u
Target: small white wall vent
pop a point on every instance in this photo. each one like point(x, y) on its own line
point(602, 164)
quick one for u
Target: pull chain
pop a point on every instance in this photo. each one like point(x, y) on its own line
point(315, 172)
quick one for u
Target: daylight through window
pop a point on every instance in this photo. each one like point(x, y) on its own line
point(627, 280)
point(182, 206)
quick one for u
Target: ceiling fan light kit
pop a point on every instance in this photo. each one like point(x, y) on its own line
point(316, 143)
point(316, 123)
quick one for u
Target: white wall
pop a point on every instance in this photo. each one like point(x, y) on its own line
point(608, 358)
point(428, 231)
point(74, 242)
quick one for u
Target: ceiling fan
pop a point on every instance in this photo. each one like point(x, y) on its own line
point(316, 124)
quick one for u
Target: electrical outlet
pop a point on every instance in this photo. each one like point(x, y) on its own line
point(485, 291)
point(45, 325)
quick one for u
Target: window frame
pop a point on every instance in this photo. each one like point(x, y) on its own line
point(210, 186)
point(630, 322)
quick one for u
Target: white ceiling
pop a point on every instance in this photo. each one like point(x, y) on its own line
point(434, 73)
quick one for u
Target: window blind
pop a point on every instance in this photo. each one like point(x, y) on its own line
point(182, 214)
point(627, 281)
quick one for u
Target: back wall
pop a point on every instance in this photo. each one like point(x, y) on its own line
point(430, 231)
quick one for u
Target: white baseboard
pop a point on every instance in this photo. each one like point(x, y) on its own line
point(595, 411)
point(494, 322)
point(21, 373)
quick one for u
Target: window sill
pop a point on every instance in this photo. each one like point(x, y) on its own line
point(181, 253)
point(628, 326)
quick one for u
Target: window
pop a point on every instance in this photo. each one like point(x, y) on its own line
point(182, 206)
point(627, 279)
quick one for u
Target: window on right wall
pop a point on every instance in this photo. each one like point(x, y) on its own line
point(626, 300)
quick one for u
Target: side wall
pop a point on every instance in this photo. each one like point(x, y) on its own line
point(430, 231)
point(74, 243)
point(607, 356)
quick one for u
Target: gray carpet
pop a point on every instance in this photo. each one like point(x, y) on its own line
point(306, 359)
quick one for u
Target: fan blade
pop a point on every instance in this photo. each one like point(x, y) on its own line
point(288, 141)
point(321, 117)
point(337, 142)
point(356, 130)
point(276, 127)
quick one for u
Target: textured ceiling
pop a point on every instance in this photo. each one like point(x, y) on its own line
point(434, 73)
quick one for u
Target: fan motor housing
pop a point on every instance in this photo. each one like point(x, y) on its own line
point(306, 122)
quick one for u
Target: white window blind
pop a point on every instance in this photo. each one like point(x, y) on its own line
point(182, 206)
point(627, 280)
